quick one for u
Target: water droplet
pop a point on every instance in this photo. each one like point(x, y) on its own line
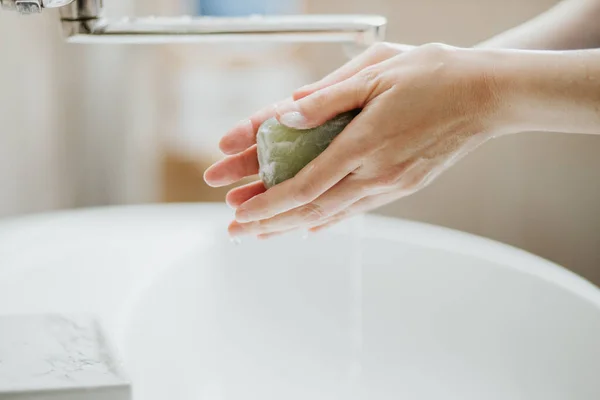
point(305, 235)
point(236, 240)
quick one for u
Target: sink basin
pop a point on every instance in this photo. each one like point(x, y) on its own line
point(375, 308)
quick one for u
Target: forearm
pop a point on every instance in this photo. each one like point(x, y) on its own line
point(548, 91)
point(572, 24)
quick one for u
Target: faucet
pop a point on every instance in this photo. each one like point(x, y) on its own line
point(32, 6)
point(83, 21)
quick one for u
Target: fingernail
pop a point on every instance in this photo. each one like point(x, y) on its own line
point(303, 89)
point(232, 206)
point(237, 139)
point(246, 124)
point(289, 114)
point(294, 119)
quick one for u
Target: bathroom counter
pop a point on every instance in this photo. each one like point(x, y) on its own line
point(373, 308)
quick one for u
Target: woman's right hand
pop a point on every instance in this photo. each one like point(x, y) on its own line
point(242, 137)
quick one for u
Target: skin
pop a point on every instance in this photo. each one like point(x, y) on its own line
point(402, 140)
point(571, 25)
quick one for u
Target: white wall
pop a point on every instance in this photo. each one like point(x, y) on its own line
point(33, 170)
point(76, 122)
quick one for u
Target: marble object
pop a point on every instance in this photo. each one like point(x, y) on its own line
point(57, 357)
point(284, 151)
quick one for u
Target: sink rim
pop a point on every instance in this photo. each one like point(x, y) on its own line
point(415, 233)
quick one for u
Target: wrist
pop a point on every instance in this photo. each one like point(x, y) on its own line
point(545, 91)
point(500, 67)
point(491, 83)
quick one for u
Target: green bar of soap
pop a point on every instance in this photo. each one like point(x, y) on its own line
point(284, 151)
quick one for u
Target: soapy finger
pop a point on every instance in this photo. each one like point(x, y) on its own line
point(413, 181)
point(232, 168)
point(262, 236)
point(265, 236)
point(363, 205)
point(342, 195)
point(330, 223)
point(238, 196)
point(243, 135)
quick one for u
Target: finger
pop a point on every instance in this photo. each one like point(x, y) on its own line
point(330, 223)
point(323, 105)
point(236, 229)
point(339, 159)
point(361, 206)
point(418, 178)
point(339, 197)
point(371, 56)
point(243, 135)
point(348, 70)
point(238, 196)
point(232, 168)
point(265, 236)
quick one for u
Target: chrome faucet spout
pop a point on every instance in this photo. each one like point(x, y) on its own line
point(83, 22)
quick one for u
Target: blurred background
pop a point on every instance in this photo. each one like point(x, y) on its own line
point(101, 125)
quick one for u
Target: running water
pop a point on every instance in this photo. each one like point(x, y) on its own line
point(356, 233)
point(354, 236)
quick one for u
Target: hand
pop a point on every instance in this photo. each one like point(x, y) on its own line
point(423, 109)
point(240, 142)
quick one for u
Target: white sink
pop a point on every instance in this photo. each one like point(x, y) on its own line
point(374, 309)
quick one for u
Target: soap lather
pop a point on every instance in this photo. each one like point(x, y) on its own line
point(285, 151)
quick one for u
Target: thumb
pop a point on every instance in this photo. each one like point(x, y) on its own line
point(324, 104)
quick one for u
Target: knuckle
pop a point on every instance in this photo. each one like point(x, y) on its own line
point(381, 48)
point(428, 177)
point(384, 183)
point(255, 226)
point(389, 180)
point(377, 47)
point(435, 48)
point(313, 212)
point(415, 182)
point(369, 75)
point(412, 183)
point(320, 99)
point(436, 56)
point(303, 193)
